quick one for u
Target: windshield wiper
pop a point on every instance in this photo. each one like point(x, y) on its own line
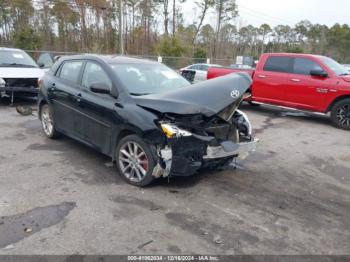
point(139, 94)
point(16, 64)
point(344, 74)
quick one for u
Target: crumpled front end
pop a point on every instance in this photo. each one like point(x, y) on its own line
point(196, 141)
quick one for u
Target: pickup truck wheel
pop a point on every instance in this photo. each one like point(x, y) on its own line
point(47, 122)
point(135, 161)
point(340, 114)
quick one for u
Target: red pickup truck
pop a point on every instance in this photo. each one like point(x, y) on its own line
point(300, 81)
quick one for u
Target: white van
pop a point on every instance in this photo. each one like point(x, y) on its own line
point(19, 73)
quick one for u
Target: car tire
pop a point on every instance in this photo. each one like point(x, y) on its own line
point(47, 122)
point(340, 114)
point(134, 161)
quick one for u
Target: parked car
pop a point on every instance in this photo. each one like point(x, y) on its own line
point(300, 81)
point(200, 70)
point(19, 73)
point(150, 120)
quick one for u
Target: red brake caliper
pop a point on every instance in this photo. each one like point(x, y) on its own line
point(145, 163)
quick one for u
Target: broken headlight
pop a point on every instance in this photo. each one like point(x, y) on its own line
point(2, 82)
point(172, 131)
point(242, 123)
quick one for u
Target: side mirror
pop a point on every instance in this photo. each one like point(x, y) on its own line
point(100, 88)
point(41, 65)
point(318, 73)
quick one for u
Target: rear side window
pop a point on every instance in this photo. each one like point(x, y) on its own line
point(304, 66)
point(70, 71)
point(280, 64)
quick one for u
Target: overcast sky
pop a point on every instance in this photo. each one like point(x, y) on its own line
point(289, 12)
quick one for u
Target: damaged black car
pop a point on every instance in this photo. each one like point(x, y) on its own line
point(149, 119)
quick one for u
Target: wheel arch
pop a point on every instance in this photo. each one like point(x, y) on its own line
point(120, 135)
point(150, 137)
point(339, 98)
point(40, 105)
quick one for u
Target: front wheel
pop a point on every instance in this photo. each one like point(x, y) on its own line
point(47, 122)
point(340, 114)
point(135, 162)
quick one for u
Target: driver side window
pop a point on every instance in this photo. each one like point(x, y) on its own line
point(94, 74)
point(304, 66)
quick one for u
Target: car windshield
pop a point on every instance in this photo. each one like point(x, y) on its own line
point(337, 69)
point(14, 58)
point(143, 79)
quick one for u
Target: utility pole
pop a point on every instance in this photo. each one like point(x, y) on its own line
point(121, 39)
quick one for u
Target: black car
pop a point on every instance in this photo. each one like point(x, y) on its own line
point(150, 120)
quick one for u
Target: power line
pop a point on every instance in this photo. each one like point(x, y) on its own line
point(265, 15)
point(257, 17)
point(74, 4)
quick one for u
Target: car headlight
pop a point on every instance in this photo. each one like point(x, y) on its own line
point(172, 131)
point(244, 122)
point(2, 82)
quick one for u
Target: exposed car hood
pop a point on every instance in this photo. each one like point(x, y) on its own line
point(21, 72)
point(207, 98)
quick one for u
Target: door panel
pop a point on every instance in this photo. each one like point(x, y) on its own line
point(96, 110)
point(269, 84)
point(202, 73)
point(307, 92)
point(96, 117)
point(304, 91)
point(63, 92)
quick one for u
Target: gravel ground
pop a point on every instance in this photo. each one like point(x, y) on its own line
point(292, 196)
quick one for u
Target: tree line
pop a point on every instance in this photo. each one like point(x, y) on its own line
point(159, 27)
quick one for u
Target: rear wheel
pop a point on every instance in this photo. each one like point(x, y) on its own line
point(340, 114)
point(135, 161)
point(47, 122)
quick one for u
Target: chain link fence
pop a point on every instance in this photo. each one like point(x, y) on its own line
point(173, 62)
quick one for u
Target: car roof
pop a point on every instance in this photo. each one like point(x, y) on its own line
point(110, 59)
point(10, 49)
point(293, 55)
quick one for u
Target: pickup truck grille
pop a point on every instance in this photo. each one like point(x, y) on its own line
point(22, 82)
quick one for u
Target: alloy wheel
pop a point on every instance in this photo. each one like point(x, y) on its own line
point(46, 120)
point(133, 161)
point(343, 115)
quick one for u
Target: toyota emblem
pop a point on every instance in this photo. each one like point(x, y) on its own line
point(235, 93)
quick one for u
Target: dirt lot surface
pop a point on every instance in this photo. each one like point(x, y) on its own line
point(292, 196)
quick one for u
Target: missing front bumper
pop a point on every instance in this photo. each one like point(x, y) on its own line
point(171, 164)
point(228, 149)
point(15, 89)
